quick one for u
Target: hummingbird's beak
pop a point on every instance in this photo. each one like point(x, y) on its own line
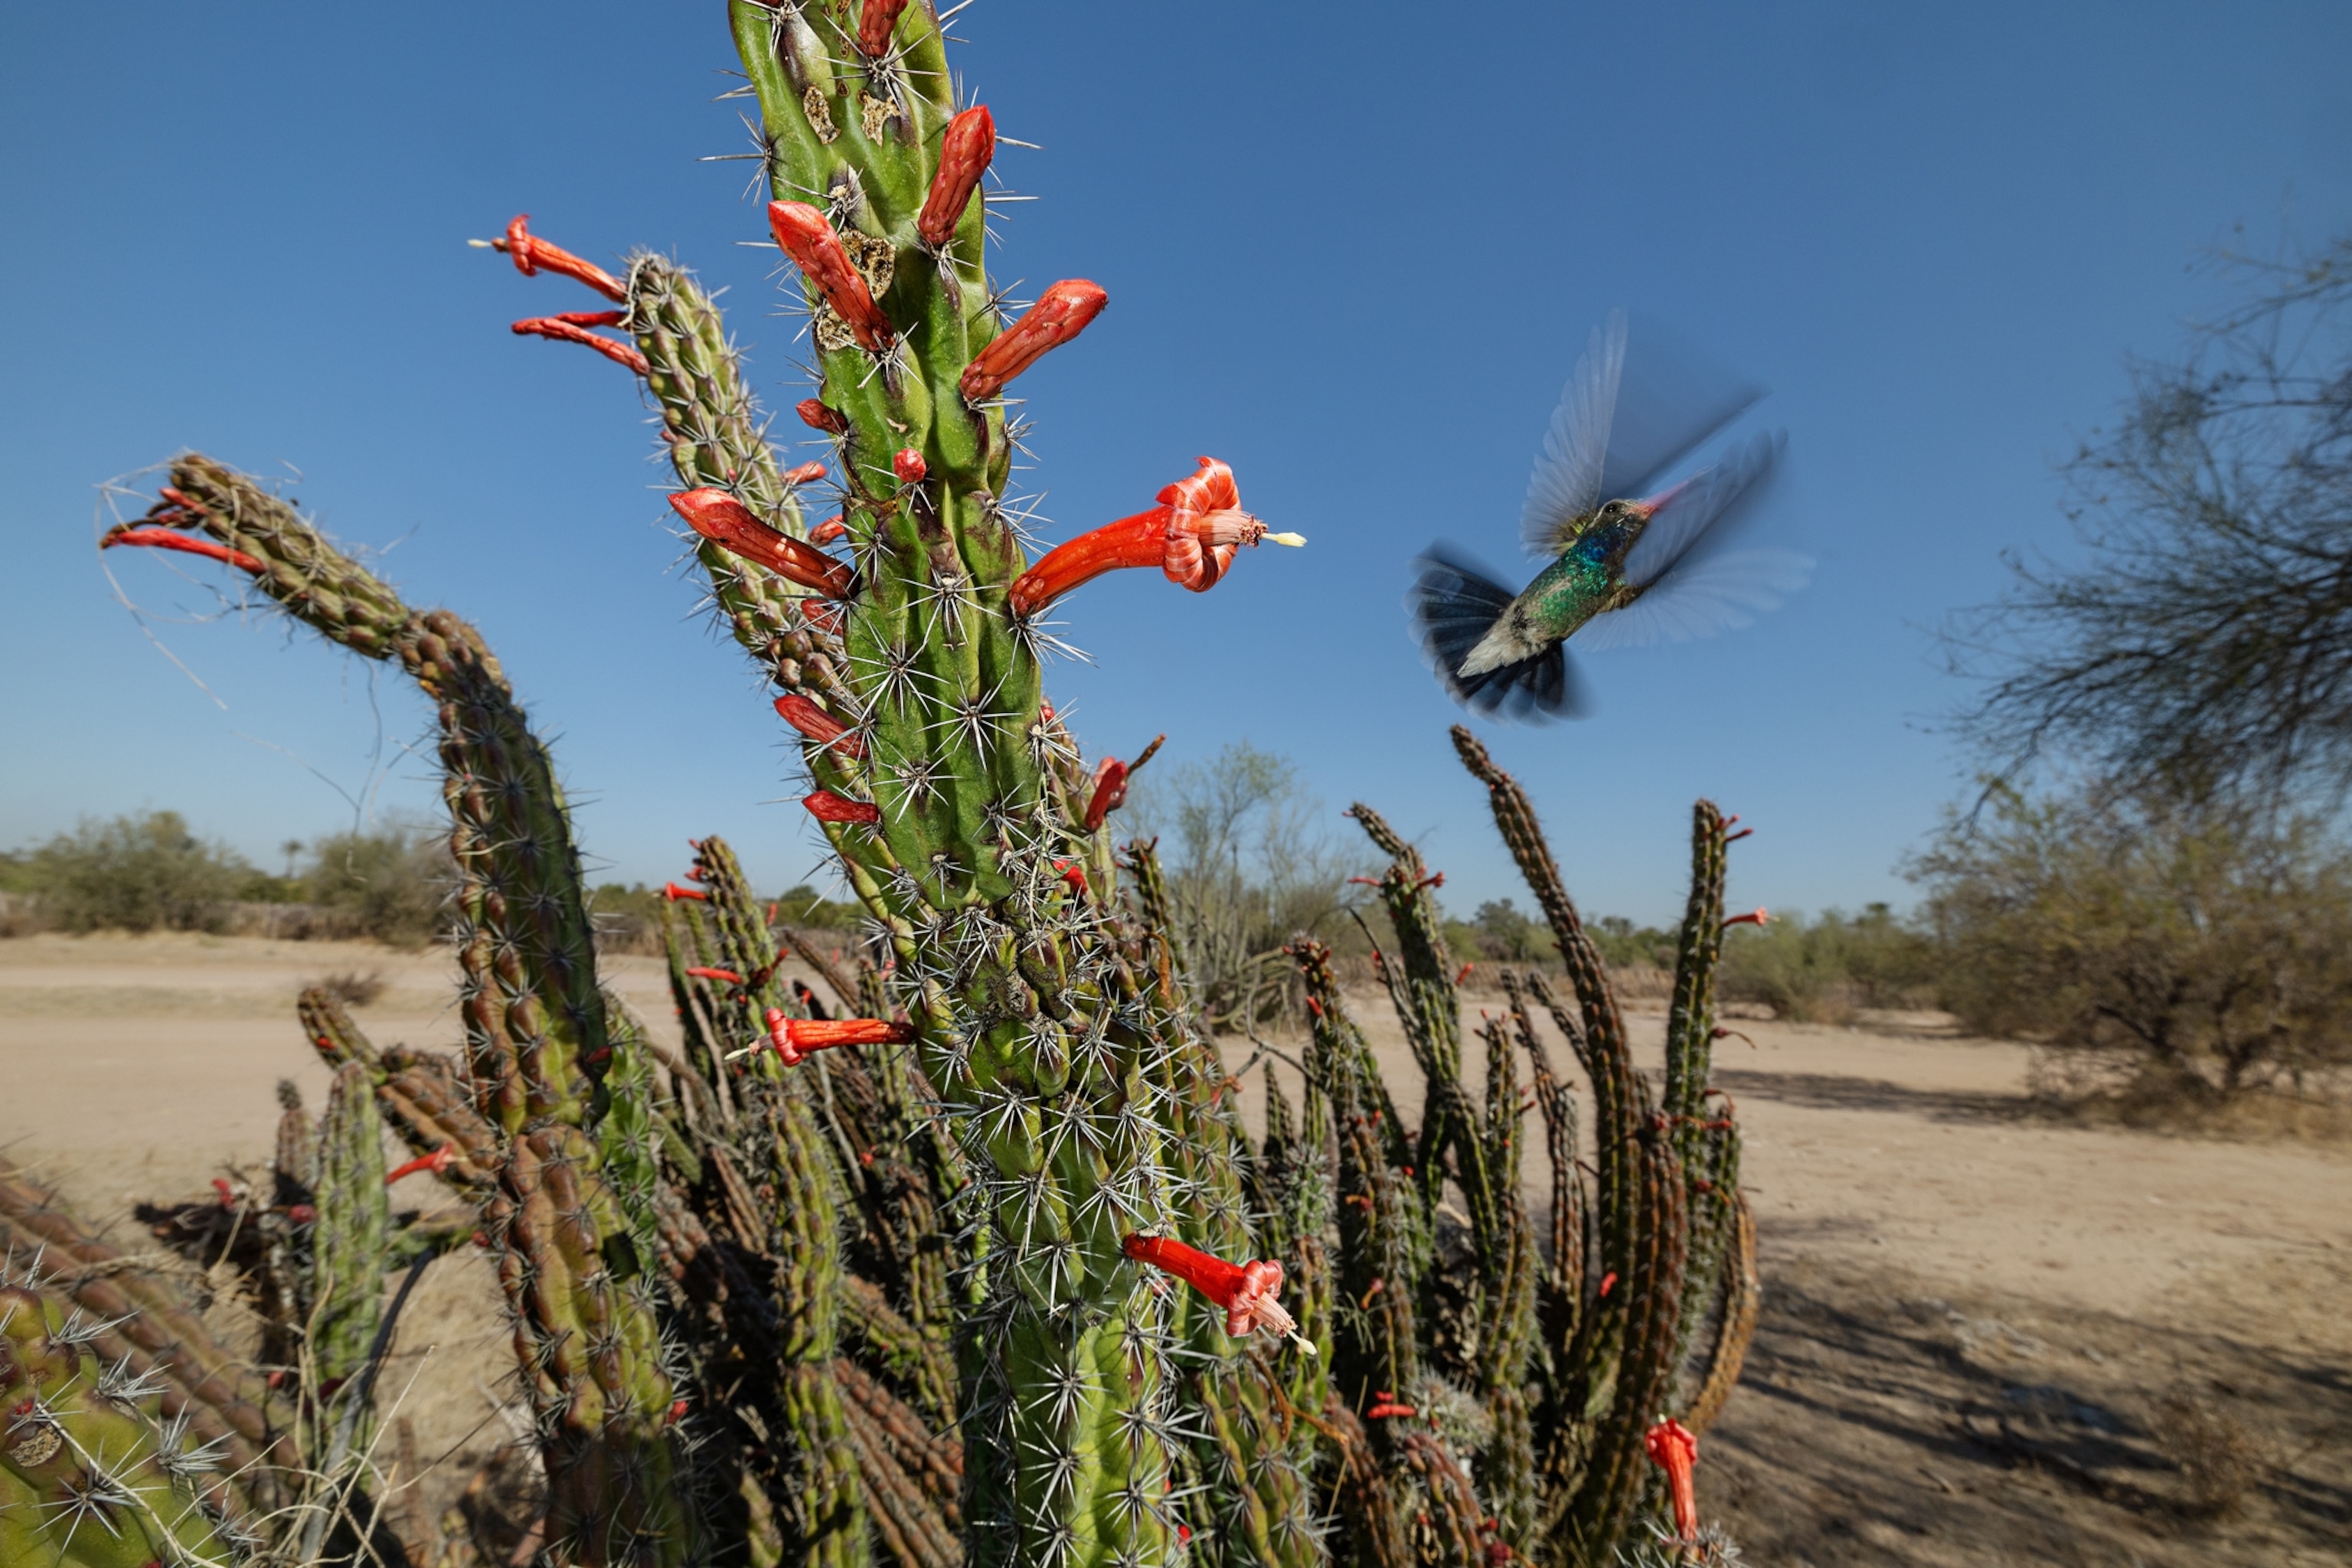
point(1649, 509)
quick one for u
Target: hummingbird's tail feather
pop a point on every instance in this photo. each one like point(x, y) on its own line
point(1454, 604)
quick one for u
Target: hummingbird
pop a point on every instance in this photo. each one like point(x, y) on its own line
point(1630, 560)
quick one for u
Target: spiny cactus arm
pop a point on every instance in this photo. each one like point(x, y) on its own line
point(94, 1473)
point(535, 1017)
point(1690, 1017)
point(1562, 1297)
point(1611, 1480)
point(350, 1238)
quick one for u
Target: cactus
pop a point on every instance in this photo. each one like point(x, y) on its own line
point(977, 1273)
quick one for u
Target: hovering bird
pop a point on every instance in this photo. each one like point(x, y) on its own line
point(1630, 562)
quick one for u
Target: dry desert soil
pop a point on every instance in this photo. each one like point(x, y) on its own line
point(1991, 1335)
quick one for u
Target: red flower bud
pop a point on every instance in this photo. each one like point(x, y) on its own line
point(573, 329)
point(816, 251)
point(673, 892)
point(720, 518)
point(167, 539)
point(965, 152)
point(819, 725)
point(439, 1160)
point(1062, 314)
point(1673, 1450)
point(1752, 918)
point(1190, 536)
point(1110, 783)
point(1387, 1408)
point(807, 474)
point(530, 255)
point(817, 417)
point(795, 1037)
point(908, 465)
point(728, 975)
point(831, 528)
point(1245, 1290)
point(1075, 875)
point(828, 806)
point(875, 25)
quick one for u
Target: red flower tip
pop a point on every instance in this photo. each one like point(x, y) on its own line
point(1074, 874)
point(439, 1160)
point(1184, 1535)
point(169, 538)
point(908, 465)
point(302, 1214)
point(819, 725)
point(807, 473)
point(875, 25)
point(828, 806)
point(1388, 1408)
point(795, 1037)
point(227, 1196)
point(531, 254)
point(677, 1412)
point(1607, 1280)
point(804, 235)
point(965, 150)
point(1110, 784)
point(1673, 1450)
point(573, 329)
point(729, 523)
point(1462, 973)
point(1190, 536)
point(673, 892)
point(1752, 918)
point(1060, 315)
point(728, 975)
point(1245, 1290)
point(817, 417)
point(831, 528)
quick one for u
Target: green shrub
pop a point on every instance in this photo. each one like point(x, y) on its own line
point(2210, 941)
point(133, 873)
point(1822, 969)
point(392, 882)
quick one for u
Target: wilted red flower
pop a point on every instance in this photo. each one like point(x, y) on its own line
point(723, 520)
point(1060, 315)
point(1245, 1290)
point(795, 1037)
point(1110, 784)
point(965, 150)
point(1673, 1450)
point(172, 538)
point(531, 255)
point(819, 725)
point(439, 1160)
point(805, 236)
point(572, 328)
point(828, 806)
point(1190, 536)
point(817, 417)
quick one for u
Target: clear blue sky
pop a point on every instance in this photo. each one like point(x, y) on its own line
point(1353, 250)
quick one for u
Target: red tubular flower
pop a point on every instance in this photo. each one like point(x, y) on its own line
point(1110, 784)
point(875, 25)
point(795, 1037)
point(728, 522)
point(816, 251)
point(831, 528)
point(1245, 1290)
point(817, 417)
point(1752, 918)
point(573, 329)
point(1190, 536)
point(439, 1160)
point(1386, 1406)
point(1062, 314)
point(965, 152)
point(168, 539)
point(828, 806)
point(908, 465)
point(807, 474)
point(1074, 874)
point(728, 975)
point(530, 255)
point(673, 892)
point(819, 725)
point(1675, 1450)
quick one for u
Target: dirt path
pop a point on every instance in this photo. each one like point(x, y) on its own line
point(1988, 1337)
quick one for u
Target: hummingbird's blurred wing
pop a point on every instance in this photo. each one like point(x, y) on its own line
point(1705, 593)
point(1622, 422)
point(1702, 504)
point(1566, 483)
point(1453, 602)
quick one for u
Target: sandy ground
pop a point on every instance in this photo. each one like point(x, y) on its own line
point(1988, 1338)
